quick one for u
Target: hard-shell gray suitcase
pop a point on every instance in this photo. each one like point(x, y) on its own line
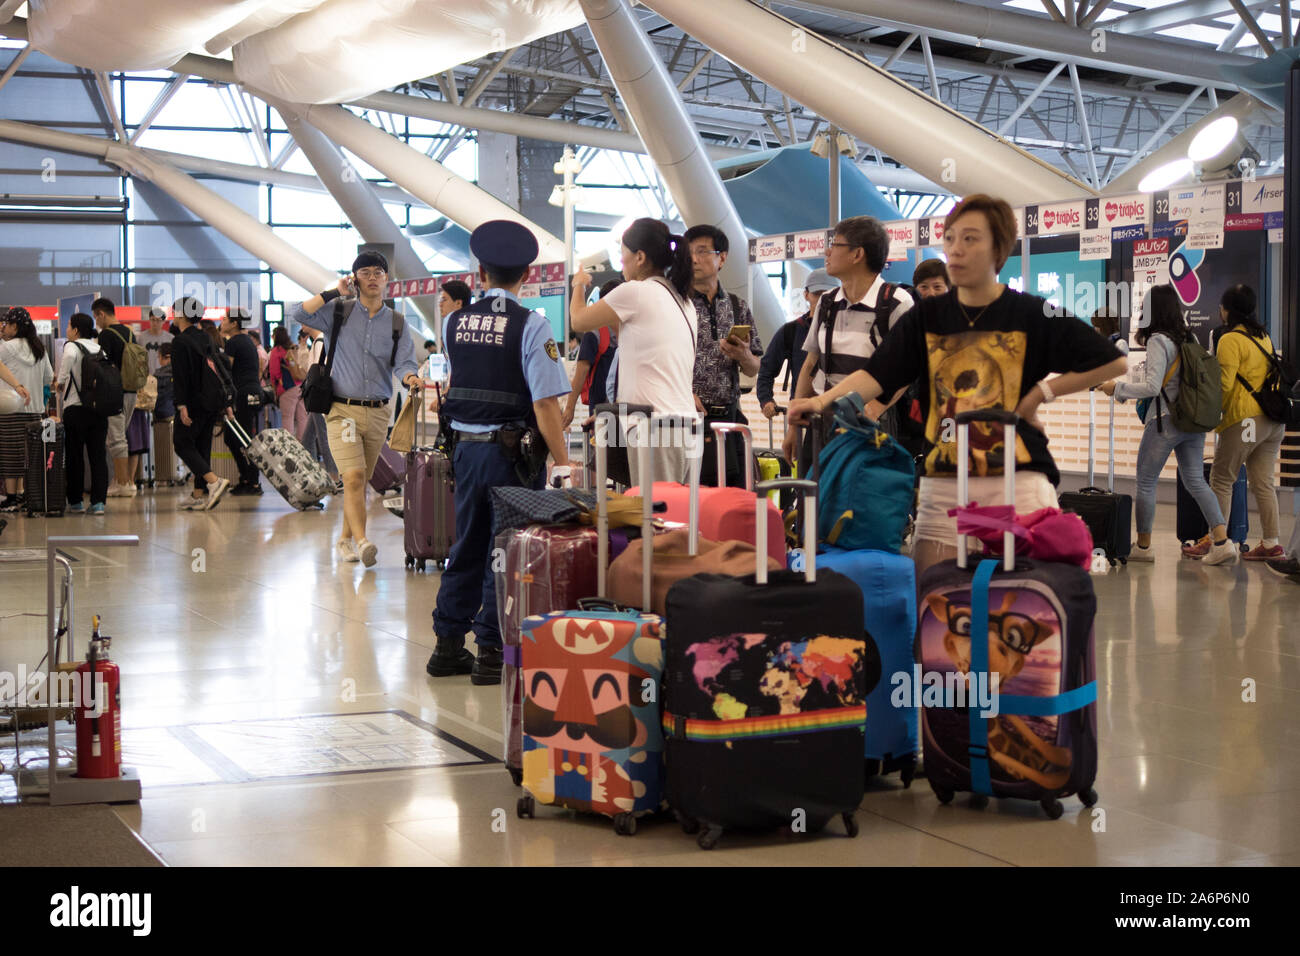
point(287, 465)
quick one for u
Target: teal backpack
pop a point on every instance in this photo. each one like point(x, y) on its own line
point(866, 480)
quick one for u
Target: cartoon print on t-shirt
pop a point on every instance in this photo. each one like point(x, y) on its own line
point(971, 371)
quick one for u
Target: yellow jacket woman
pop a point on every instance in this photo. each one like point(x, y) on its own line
point(1246, 436)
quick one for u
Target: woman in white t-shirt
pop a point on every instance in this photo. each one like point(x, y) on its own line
point(85, 433)
point(654, 320)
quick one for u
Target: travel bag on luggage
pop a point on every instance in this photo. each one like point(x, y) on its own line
point(46, 479)
point(286, 463)
point(1190, 523)
point(765, 695)
point(429, 502)
point(888, 585)
point(591, 737)
point(390, 468)
point(726, 514)
point(1109, 516)
point(1014, 715)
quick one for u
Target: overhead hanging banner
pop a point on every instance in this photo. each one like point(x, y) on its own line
point(791, 245)
point(427, 285)
point(902, 238)
point(929, 232)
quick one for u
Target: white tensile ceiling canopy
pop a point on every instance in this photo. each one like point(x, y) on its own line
point(306, 51)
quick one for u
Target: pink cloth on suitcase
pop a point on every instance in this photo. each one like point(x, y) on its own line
point(1047, 534)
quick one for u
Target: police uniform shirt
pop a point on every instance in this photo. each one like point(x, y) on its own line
point(539, 354)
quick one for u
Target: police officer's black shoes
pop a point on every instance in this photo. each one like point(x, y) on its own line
point(487, 666)
point(448, 660)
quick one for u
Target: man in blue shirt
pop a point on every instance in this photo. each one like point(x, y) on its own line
point(374, 347)
point(506, 381)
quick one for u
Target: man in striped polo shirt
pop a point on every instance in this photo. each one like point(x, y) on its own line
point(851, 323)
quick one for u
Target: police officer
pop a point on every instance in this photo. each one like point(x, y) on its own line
point(506, 377)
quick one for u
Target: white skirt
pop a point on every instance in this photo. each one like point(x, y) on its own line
point(939, 496)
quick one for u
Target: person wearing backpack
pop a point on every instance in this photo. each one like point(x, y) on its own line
point(1163, 332)
point(131, 360)
point(1246, 434)
point(203, 393)
point(85, 430)
point(851, 322)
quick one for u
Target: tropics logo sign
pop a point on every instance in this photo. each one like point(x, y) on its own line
point(1125, 211)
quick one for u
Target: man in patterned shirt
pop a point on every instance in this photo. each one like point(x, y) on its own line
point(720, 356)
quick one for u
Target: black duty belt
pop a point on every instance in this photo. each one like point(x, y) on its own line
point(475, 436)
point(363, 402)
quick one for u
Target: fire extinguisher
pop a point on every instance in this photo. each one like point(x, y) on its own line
point(99, 715)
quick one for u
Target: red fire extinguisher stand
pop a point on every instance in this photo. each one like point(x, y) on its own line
point(99, 712)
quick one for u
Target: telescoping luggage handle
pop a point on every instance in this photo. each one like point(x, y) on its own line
point(237, 430)
point(808, 493)
point(602, 414)
point(1092, 444)
point(722, 429)
point(1009, 421)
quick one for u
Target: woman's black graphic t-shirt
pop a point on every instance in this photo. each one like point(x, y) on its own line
point(1015, 342)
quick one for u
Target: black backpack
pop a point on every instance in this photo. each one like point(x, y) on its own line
point(100, 388)
point(1277, 395)
point(216, 386)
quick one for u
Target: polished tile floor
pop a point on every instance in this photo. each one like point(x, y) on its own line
point(232, 625)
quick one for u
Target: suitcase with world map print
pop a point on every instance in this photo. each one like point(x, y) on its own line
point(1013, 714)
point(766, 679)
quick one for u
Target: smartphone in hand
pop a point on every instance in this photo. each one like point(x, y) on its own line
point(739, 335)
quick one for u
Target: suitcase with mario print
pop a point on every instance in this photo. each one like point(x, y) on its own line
point(1013, 715)
point(765, 695)
point(590, 686)
point(726, 514)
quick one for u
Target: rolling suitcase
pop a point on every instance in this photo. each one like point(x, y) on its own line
point(286, 463)
point(1109, 516)
point(390, 469)
point(547, 568)
point(888, 585)
point(428, 503)
point(771, 465)
point(46, 479)
point(162, 454)
point(1014, 715)
point(765, 695)
point(591, 737)
point(726, 514)
point(1191, 525)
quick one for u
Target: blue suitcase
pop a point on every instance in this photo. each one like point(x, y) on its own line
point(888, 585)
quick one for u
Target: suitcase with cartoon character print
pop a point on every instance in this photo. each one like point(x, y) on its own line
point(590, 687)
point(1013, 715)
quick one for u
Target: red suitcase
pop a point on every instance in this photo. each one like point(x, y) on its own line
point(726, 514)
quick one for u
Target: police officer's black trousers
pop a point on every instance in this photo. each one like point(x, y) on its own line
point(467, 596)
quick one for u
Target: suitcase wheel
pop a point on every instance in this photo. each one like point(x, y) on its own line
point(689, 827)
point(708, 839)
point(410, 561)
point(1089, 797)
point(625, 824)
point(1053, 808)
point(908, 774)
point(422, 564)
point(978, 801)
point(517, 775)
point(851, 824)
point(526, 807)
point(945, 796)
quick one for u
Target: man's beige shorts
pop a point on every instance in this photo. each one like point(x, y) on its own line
point(356, 436)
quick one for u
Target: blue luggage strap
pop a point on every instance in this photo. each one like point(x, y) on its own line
point(1019, 704)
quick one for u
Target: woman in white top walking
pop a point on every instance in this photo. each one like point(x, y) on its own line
point(82, 428)
point(654, 320)
point(25, 356)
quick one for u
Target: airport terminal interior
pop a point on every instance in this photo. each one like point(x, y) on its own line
point(208, 167)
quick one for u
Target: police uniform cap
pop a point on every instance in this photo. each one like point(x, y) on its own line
point(503, 243)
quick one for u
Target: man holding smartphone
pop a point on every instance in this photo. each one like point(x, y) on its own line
point(727, 344)
point(368, 357)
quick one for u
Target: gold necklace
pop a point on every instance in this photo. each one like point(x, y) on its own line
point(966, 314)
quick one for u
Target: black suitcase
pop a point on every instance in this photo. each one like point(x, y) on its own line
point(46, 486)
point(1108, 516)
point(765, 685)
point(1191, 525)
point(1031, 733)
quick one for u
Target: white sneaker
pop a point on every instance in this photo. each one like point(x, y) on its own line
point(1226, 553)
point(348, 551)
point(1139, 553)
point(190, 503)
point(115, 490)
point(368, 552)
point(216, 490)
point(126, 491)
